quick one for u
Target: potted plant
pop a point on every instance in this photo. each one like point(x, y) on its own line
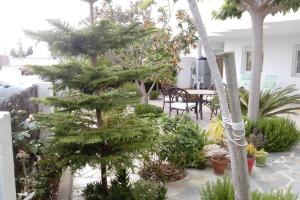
point(261, 158)
point(219, 163)
point(250, 156)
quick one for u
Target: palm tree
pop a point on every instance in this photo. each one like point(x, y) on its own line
point(274, 102)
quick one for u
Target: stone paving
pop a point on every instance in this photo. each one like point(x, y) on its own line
point(282, 171)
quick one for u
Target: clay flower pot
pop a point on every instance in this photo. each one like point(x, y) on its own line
point(219, 164)
point(251, 161)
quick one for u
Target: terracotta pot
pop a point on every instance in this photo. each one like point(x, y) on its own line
point(219, 164)
point(251, 161)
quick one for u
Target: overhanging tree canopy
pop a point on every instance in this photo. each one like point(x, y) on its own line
point(258, 10)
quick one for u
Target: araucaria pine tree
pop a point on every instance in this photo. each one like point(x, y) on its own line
point(91, 125)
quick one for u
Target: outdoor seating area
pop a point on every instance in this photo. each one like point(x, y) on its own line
point(186, 100)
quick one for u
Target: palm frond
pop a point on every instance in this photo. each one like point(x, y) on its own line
point(274, 102)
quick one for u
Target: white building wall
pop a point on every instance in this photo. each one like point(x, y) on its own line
point(7, 177)
point(278, 57)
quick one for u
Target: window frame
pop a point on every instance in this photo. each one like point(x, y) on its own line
point(246, 49)
point(296, 49)
point(244, 58)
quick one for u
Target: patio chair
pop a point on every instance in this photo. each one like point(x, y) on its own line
point(269, 82)
point(165, 92)
point(245, 80)
point(197, 82)
point(186, 104)
point(212, 101)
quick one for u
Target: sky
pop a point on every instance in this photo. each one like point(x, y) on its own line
point(17, 15)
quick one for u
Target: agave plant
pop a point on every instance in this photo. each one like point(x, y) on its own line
point(273, 102)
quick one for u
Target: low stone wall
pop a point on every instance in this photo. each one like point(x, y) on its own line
point(20, 105)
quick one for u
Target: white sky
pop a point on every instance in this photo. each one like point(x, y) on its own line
point(17, 15)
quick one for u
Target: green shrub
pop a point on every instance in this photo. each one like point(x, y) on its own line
point(222, 189)
point(144, 109)
point(47, 177)
point(122, 189)
point(94, 191)
point(280, 133)
point(278, 195)
point(182, 142)
point(154, 94)
point(147, 190)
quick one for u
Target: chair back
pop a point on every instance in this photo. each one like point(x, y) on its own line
point(165, 87)
point(269, 82)
point(213, 87)
point(177, 93)
point(245, 80)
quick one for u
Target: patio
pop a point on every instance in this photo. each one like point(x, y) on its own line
point(282, 170)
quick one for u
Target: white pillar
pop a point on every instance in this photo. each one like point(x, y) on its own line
point(45, 89)
point(7, 175)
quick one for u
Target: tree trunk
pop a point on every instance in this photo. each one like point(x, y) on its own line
point(223, 102)
point(241, 171)
point(103, 166)
point(94, 61)
point(104, 178)
point(99, 118)
point(92, 20)
point(145, 96)
point(256, 67)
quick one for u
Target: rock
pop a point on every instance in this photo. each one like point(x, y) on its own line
point(213, 149)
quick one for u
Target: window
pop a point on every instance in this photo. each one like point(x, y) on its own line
point(248, 55)
point(246, 59)
point(296, 61)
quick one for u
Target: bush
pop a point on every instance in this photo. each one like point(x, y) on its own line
point(122, 189)
point(94, 191)
point(281, 134)
point(154, 95)
point(147, 190)
point(144, 109)
point(46, 179)
point(279, 195)
point(159, 171)
point(182, 142)
point(223, 189)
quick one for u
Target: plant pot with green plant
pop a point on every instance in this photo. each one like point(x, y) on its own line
point(250, 156)
point(219, 163)
point(261, 158)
